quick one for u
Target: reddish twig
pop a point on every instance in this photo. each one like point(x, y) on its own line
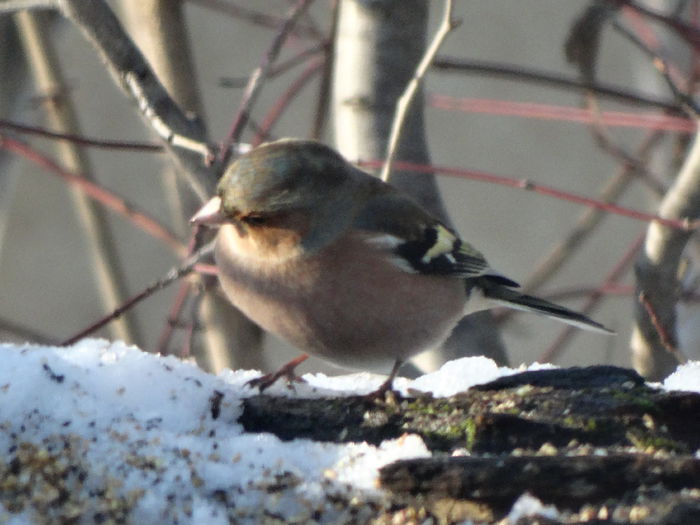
point(667, 72)
point(631, 164)
point(689, 33)
point(667, 340)
point(109, 199)
point(173, 318)
point(283, 102)
point(191, 326)
point(257, 79)
point(642, 28)
point(173, 275)
point(532, 110)
point(525, 184)
point(183, 293)
point(590, 218)
point(280, 68)
point(256, 17)
point(615, 275)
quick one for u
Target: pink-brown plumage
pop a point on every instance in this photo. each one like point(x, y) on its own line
point(346, 303)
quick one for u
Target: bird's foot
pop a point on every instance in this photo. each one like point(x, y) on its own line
point(385, 392)
point(287, 371)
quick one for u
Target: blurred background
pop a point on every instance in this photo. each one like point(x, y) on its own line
point(47, 287)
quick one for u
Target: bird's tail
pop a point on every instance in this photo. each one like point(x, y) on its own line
point(505, 296)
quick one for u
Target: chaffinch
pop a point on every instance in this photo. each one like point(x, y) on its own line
point(345, 266)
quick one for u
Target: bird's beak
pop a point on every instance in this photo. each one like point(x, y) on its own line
point(209, 214)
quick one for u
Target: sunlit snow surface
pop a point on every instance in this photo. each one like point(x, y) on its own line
point(104, 430)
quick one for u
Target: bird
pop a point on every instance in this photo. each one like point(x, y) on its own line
point(344, 266)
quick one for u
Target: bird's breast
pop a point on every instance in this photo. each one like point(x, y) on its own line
point(346, 303)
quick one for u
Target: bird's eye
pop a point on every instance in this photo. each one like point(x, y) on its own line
point(254, 219)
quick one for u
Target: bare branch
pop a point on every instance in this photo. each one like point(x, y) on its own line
point(404, 103)
point(80, 140)
point(255, 17)
point(547, 78)
point(686, 31)
point(283, 102)
point(277, 70)
point(173, 318)
point(661, 64)
point(657, 272)
point(173, 275)
point(565, 113)
point(618, 271)
point(112, 201)
point(667, 340)
point(183, 136)
point(683, 224)
point(256, 81)
point(587, 221)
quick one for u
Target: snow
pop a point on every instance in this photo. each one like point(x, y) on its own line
point(528, 505)
point(137, 429)
point(686, 378)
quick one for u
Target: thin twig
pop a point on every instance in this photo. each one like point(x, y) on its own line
point(206, 269)
point(282, 103)
point(404, 103)
point(586, 222)
point(112, 201)
point(81, 140)
point(685, 225)
point(667, 340)
point(525, 74)
point(183, 135)
point(173, 275)
point(278, 69)
point(688, 32)
point(572, 114)
point(173, 318)
point(196, 239)
point(637, 166)
point(618, 271)
point(255, 17)
point(631, 166)
point(661, 64)
point(192, 326)
point(257, 80)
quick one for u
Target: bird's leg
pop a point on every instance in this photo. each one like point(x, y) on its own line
point(286, 371)
point(387, 385)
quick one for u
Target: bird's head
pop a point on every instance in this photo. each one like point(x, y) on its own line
point(288, 183)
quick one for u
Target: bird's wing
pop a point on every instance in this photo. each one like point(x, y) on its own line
point(418, 242)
